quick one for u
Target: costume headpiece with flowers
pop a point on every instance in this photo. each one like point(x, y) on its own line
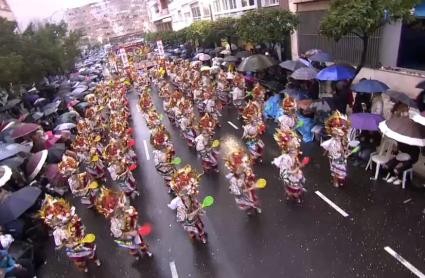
point(68, 165)
point(289, 105)
point(207, 123)
point(238, 161)
point(55, 211)
point(159, 137)
point(185, 182)
point(287, 140)
point(337, 124)
point(108, 200)
point(251, 112)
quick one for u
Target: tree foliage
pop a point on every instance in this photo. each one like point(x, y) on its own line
point(267, 26)
point(363, 18)
point(38, 51)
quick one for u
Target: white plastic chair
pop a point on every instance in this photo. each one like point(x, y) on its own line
point(405, 173)
point(382, 156)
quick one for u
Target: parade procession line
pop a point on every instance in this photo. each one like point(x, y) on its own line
point(403, 261)
point(233, 125)
point(332, 204)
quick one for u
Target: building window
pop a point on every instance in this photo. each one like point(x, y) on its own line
point(232, 4)
point(217, 7)
point(267, 3)
point(206, 10)
point(225, 5)
point(196, 11)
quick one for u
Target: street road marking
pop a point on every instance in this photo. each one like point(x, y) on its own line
point(232, 124)
point(173, 269)
point(408, 265)
point(146, 150)
point(332, 204)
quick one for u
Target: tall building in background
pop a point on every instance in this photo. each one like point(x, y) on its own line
point(5, 11)
point(108, 20)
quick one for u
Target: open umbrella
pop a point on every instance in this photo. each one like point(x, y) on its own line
point(273, 85)
point(37, 115)
point(9, 150)
point(231, 59)
point(53, 175)
point(68, 117)
point(399, 96)
point(5, 174)
point(336, 73)
point(17, 203)
point(40, 102)
point(55, 153)
point(370, 86)
point(13, 162)
point(256, 63)
point(419, 118)
point(366, 121)
point(404, 130)
point(204, 57)
point(218, 49)
point(225, 52)
point(242, 54)
point(10, 104)
point(35, 163)
point(421, 85)
point(81, 107)
point(65, 126)
point(292, 65)
point(312, 52)
point(24, 129)
point(321, 57)
point(304, 74)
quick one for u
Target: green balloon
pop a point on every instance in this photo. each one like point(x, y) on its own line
point(208, 201)
point(161, 117)
point(177, 160)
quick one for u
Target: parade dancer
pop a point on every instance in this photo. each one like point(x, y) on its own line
point(290, 167)
point(238, 93)
point(259, 94)
point(163, 154)
point(187, 128)
point(69, 232)
point(210, 105)
point(185, 184)
point(125, 230)
point(253, 128)
point(337, 126)
point(223, 88)
point(242, 182)
point(289, 118)
point(84, 185)
point(207, 152)
point(121, 174)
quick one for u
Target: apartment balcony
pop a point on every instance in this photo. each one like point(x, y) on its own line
point(161, 15)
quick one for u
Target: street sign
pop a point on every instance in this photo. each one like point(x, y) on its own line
point(160, 48)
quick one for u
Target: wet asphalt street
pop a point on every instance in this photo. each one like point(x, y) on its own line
point(288, 240)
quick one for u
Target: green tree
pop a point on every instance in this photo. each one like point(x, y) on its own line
point(267, 26)
point(225, 28)
point(202, 33)
point(363, 18)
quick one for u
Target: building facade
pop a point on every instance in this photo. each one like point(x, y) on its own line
point(108, 19)
point(5, 11)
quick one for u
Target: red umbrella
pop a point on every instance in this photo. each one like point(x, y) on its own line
point(35, 164)
point(24, 129)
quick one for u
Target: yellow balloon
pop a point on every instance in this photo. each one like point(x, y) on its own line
point(93, 185)
point(89, 238)
point(95, 158)
point(215, 143)
point(261, 183)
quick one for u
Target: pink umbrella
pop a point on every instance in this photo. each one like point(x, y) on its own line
point(52, 174)
point(51, 139)
point(23, 130)
point(35, 164)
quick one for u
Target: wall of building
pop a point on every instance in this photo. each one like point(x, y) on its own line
point(390, 43)
point(5, 11)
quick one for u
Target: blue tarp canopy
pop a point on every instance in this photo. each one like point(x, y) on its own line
point(420, 10)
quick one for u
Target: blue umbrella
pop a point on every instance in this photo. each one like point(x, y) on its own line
point(370, 86)
point(336, 73)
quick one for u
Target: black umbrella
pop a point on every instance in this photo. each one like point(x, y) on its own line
point(242, 54)
point(68, 117)
point(81, 107)
point(292, 65)
point(404, 130)
point(256, 63)
point(421, 85)
point(9, 150)
point(398, 96)
point(55, 153)
point(321, 57)
point(272, 85)
point(17, 203)
point(10, 104)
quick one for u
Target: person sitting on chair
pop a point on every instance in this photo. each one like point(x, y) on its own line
point(407, 156)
